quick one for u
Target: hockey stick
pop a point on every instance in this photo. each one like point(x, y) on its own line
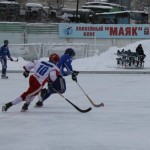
point(76, 107)
point(95, 105)
point(14, 60)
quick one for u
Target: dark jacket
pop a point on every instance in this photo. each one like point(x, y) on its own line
point(4, 51)
point(139, 50)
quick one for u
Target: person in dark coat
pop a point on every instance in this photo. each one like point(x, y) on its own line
point(140, 54)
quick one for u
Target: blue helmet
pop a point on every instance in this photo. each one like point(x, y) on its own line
point(70, 52)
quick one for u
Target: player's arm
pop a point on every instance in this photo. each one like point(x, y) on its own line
point(28, 67)
point(8, 55)
point(67, 64)
point(70, 70)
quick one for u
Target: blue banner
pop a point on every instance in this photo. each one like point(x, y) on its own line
point(67, 30)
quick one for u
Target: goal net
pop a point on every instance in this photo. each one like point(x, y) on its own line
point(59, 48)
point(27, 51)
point(38, 50)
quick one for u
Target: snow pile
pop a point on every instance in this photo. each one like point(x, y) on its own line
point(107, 60)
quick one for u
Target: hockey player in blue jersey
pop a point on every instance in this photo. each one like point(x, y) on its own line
point(64, 64)
point(4, 53)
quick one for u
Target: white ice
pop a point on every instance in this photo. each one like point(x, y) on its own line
point(122, 124)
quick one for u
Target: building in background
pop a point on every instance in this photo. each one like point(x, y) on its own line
point(83, 11)
point(101, 7)
point(122, 17)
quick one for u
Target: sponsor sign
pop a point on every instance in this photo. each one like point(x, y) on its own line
point(104, 30)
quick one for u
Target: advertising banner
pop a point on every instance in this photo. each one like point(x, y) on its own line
point(67, 30)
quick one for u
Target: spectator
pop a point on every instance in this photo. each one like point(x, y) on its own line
point(140, 53)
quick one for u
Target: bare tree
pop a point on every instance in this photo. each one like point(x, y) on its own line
point(143, 5)
point(137, 5)
point(49, 3)
point(21, 2)
point(146, 4)
point(58, 4)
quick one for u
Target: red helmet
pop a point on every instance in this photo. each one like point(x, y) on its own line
point(54, 58)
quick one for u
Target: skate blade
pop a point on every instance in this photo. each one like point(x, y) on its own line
point(4, 78)
point(23, 110)
point(3, 108)
point(37, 106)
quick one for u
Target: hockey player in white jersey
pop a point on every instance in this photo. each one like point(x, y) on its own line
point(42, 72)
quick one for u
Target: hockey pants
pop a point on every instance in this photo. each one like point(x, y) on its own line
point(59, 85)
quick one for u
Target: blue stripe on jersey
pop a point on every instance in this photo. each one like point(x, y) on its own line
point(46, 64)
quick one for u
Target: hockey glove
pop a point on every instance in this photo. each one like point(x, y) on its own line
point(74, 75)
point(11, 59)
point(26, 74)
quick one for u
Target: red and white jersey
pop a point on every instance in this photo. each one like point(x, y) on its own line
point(43, 71)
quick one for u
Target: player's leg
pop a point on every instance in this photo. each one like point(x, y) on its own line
point(59, 85)
point(4, 67)
point(14, 102)
point(33, 90)
point(27, 96)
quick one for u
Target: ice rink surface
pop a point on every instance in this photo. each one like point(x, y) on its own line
point(122, 124)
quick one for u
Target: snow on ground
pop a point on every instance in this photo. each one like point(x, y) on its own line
point(107, 60)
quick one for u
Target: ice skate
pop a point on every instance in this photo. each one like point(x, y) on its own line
point(25, 107)
point(4, 77)
point(6, 106)
point(39, 104)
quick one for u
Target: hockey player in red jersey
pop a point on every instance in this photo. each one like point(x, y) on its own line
point(42, 72)
point(66, 69)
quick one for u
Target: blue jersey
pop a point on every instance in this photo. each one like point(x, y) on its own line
point(4, 51)
point(64, 65)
